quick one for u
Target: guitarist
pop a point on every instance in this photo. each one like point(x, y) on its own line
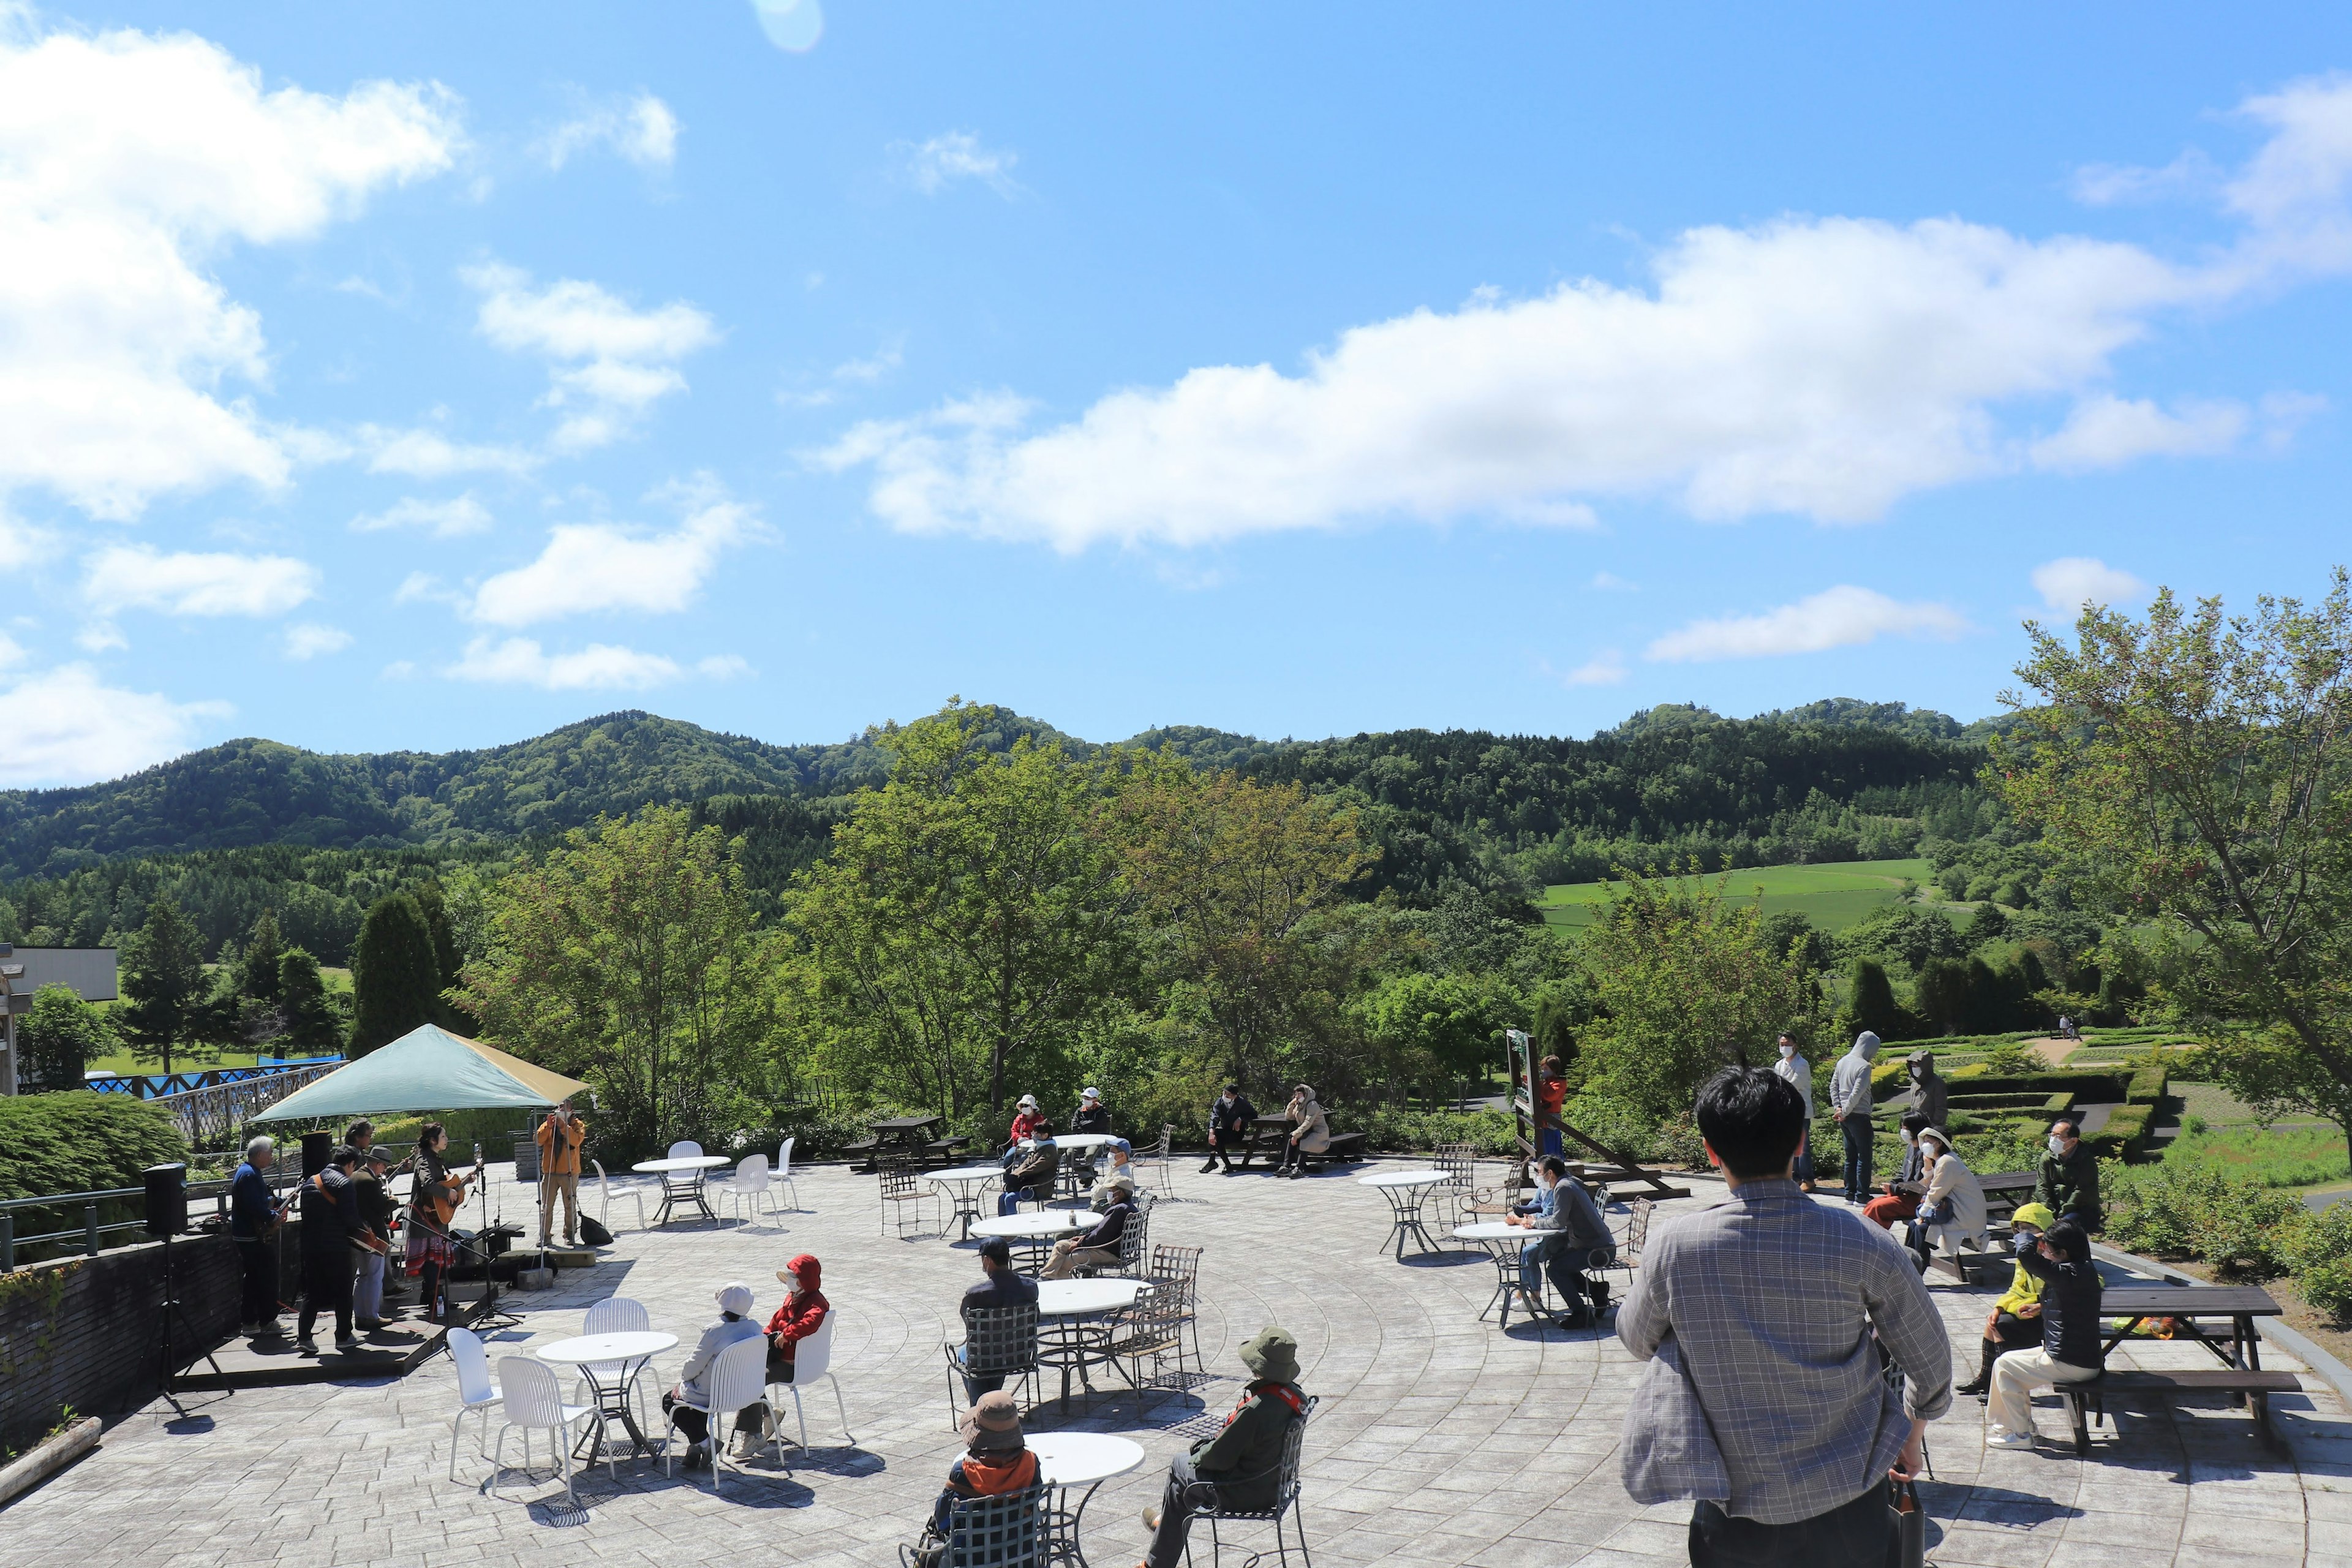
point(254, 1216)
point(331, 1227)
point(433, 1202)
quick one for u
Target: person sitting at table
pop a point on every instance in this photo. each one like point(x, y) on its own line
point(1309, 1133)
point(1574, 1238)
point(1119, 1157)
point(1098, 1247)
point(1241, 1467)
point(2069, 1183)
point(2070, 1351)
point(1901, 1198)
point(1093, 1118)
point(1031, 1177)
point(998, 1285)
point(2015, 1322)
point(802, 1312)
point(688, 1404)
point(1027, 1120)
point(996, 1460)
point(1230, 1117)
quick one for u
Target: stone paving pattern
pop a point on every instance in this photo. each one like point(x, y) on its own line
point(1440, 1440)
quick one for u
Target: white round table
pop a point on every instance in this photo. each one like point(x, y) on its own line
point(681, 1178)
point(1085, 1297)
point(1406, 1190)
point(1072, 1333)
point(1084, 1143)
point(1502, 1242)
point(1067, 1459)
point(965, 1182)
point(1046, 1225)
point(610, 1364)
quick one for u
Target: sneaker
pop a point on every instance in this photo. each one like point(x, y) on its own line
point(347, 1342)
point(1999, 1438)
point(1150, 1518)
point(305, 1347)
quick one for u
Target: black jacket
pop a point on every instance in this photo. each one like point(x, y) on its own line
point(1095, 1120)
point(1244, 1460)
point(1234, 1118)
point(331, 1214)
point(2070, 1308)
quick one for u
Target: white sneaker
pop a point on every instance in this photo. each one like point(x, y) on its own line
point(1998, 1437)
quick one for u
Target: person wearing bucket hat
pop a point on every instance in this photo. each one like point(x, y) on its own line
point(1098, 1247)
point(688, 1404)
point(996, 1460)
point(2015, 1321)
point(1092, 1116)
point(804, 1312)
point(1240, 1467)
point(1027, 1120)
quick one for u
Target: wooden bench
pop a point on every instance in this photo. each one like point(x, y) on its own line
point(945, 1148)
point(1345, 1147)
point(2082, 1399)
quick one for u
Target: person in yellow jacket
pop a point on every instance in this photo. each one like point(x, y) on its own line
point(2016, 1321)
point(560, 1137)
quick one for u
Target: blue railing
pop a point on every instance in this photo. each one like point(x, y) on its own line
point(154, 1086)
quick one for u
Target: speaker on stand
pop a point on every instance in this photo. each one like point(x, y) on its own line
point(167, 1216)
point(316, 1147)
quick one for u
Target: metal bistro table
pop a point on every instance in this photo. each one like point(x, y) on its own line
point(966, 1183)
point(681, 1178)
point(1406, 1192)
point(1035, 1231)
point(1066, 1460)
point(1086, 1146)
point(610, 1364)
point(1502, 1242)
point(1073, 1314)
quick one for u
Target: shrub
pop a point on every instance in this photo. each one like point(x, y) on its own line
point(2251, 1232)
point(2125, 1132)
point(2158, 1209)
point(2010, 1057)
point(1393, 1132)
point(2321, 1257)
point(2327, 1286)
point(79, 1141)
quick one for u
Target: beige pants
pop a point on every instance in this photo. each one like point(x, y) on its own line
point(552, 1186)
point(2015, 1376)
point(1069, 1258)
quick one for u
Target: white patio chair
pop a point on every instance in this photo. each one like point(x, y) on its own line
point(686, 1148)
point(476, 1392)
point(534, 1402)
point(617, 1315)
point(747, 1187)
point(783, 1173)
point(605, 1198)
point(812, 1359)
point(738, 1378)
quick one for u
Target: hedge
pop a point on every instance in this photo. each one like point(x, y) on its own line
point(2148, 1084)
point(2126, 1134)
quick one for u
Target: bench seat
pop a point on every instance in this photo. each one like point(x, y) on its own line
point(2085, 1398)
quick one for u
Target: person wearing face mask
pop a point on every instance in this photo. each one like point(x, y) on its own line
point(1851, 1099)
point(1572, 1238)
point(2069, 1187)
point(1901, 1198)
point(2015, 1321)
point(1953, 1206)
point(2070, 1349)
point(1931, 1097)
point(1799, 1074)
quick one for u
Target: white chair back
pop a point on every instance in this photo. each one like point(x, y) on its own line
point(814, 1354)
point(784, 1161)
point(473, 1366)
point(686, 1148)
point(740, 1376)
point(617, 1315)
point(533, 1397)
point(752, 1174)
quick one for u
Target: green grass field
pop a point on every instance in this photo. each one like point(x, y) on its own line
point(1833, 896)
point(2295, 1156)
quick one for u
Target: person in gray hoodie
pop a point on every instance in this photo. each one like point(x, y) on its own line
point(1850, 1094)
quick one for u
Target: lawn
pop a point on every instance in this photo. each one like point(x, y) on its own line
point(1833, 896)
point(2293, 1156)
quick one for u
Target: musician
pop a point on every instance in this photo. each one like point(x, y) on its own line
point(253, 1219)
point(331, 1227)
point(376, 1211)
point(558, 1139)
point(431, 1201)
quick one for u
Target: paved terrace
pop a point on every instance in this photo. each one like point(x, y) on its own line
point(1440, 1440)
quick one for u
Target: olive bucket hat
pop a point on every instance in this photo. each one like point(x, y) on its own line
point(1272, 1355)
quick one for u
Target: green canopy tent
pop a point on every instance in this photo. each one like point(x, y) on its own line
point(428, 1068)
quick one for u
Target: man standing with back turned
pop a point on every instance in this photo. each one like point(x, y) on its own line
point(1850, 1094)
point(1771, 1301)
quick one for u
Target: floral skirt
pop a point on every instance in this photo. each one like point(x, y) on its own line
point(428, 1246)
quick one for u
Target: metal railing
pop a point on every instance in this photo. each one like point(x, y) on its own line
point(90, 1235)
point(161, 1085)
point(216, 1110)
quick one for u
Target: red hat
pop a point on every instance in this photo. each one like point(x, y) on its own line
point(804, 1269)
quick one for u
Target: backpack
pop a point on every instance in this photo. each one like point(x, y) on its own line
point(594, 1235)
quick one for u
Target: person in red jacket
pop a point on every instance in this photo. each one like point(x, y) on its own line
point(804, 1312)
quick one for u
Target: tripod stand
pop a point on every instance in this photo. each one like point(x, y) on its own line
point(490, 1315)
point(168, 1310)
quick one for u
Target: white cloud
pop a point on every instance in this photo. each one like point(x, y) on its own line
point(1610, 583)
point(309, 640)
point(128, 162)
point(100, 637)
point(520, 661)
point(138, 576)
point(956, 155)
point(425, 455)
point(2069, 584)
point(590, 566)
point(67, 726)
point(1605, 668)
point(723, 667)
point(442, 519)
point(12, 653)
point(613, 361)
point(1824, 366)
point(641, 129)
point(1842, 616)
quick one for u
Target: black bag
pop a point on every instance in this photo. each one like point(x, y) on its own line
point(1910, 1544)
point(594, 1235)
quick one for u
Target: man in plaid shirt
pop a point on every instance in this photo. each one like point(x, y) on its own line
point(1780, 1307)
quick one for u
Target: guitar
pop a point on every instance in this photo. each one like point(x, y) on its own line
point(445, 1209)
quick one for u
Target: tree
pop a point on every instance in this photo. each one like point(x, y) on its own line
point(971, 921)
point(59, 1038)
point(1686, 982)
point(1944, 995)
point(395, 974)
point(310, 1024)
point(257, 973)
point(166, 995)
point(2196, 770)
point(1870, 1002)
point(627, 958)
point(1423, 1027)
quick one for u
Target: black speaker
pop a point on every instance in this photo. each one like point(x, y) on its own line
point(316, 1147)
point(167, 1200)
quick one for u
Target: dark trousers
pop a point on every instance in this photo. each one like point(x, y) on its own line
point(429, 1289)
point(1859, 1131)
point(259, 1299)
point(1861, 1534)
point(326, 1283)
point(1187, 1493)
point(779, 1371)
point(695, 1423)
point(1224, 1145)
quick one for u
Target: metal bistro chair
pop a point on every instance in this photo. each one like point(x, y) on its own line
point(1153, 1328)
point(1008, 1531)
point(902, 1189)
point(1162, 1157)
point(1637, 1232)
point(1178, 1269)
point(998, 1342)
point(1285, 1502)
point(1134, 1243)
point(1460, 1164)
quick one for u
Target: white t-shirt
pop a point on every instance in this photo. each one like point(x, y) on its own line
point(1800, 1072)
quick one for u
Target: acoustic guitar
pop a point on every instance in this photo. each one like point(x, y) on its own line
point(445, 1209)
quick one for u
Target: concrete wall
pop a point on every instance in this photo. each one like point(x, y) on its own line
point(84, 1331)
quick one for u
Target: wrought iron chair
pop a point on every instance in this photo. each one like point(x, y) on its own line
point(1460, 1164)
point(998, 1342)
point(1152, 1328)
point(1286, 1503)
point(1178, 1269)
point(903, 1188)
point(1162, 1157)
point(1637, 1232)
point(1134, 1243)
point(1010, 1530)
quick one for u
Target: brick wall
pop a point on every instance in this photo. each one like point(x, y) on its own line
point(84, 1331)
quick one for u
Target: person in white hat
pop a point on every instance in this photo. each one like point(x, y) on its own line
point(687, 1406)
point(1092, 1116)
point(1026, 1118)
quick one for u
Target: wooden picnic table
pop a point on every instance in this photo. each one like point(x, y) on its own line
point(2241, 1304)
point(903, 1135)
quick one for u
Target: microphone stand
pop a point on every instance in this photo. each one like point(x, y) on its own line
point(490, 1315)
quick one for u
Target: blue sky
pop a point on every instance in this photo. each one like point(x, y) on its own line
point(430, 376)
